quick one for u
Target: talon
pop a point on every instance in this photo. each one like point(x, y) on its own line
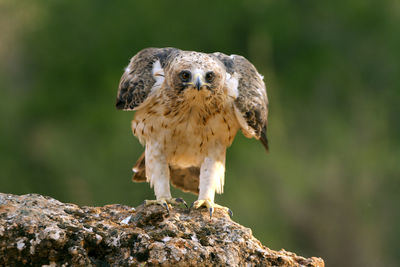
point(180, 200)
point(165, 202)
point(210, 205)
point(230, 212)
point(166, 206)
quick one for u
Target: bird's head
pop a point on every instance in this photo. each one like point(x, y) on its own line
point(196, 74)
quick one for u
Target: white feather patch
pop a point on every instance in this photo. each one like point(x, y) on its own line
point(232, 83)
point(127, 69)
point(158, 74)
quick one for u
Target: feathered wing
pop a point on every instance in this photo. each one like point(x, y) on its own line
point(143, 76)
point(251, 102)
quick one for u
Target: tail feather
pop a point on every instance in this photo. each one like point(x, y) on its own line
point(264, 139)
point(139, 170)
point(186, 179)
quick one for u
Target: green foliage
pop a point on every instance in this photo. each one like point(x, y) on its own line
point(330, 185)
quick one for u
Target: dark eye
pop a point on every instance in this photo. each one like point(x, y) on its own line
point(210, 76)
point(185, 75)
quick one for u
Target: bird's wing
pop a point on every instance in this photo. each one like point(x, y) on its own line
point(246, 85)
point(143, 77)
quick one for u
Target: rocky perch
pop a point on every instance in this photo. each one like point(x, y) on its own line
point(37, 230)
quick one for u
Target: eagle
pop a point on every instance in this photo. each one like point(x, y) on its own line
point(188, 108)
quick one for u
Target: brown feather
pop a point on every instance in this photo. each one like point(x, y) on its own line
point(252, 100)
point(264, 139)
point(186, 179)
point(139, 170)
point(136, 83)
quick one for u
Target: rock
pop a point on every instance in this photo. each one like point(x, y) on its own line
point(38, 230)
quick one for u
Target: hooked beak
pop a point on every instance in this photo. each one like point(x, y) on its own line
point(198, 82)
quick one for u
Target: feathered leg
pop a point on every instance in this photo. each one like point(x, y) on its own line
point(212, 174)
point(157, 174)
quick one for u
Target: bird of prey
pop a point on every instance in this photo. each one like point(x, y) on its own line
point(188, 108)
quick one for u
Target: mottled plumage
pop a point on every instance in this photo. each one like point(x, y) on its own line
point(189, 107)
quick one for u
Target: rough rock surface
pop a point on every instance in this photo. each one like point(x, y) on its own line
point(37, 230)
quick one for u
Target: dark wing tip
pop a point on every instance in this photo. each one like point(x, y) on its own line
point(264, 139)
point(120, 104)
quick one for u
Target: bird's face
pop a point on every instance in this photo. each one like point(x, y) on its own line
point(197, 74)
point(197, 79)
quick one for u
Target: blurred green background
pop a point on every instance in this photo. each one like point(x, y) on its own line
point(329, 187)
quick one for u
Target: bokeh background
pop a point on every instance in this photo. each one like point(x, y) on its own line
point(329, 187)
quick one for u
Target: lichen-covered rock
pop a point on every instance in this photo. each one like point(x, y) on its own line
point(38, 230)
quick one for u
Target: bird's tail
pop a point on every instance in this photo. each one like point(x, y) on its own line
point(264, 139)
point(139, 170)
point(186, 179)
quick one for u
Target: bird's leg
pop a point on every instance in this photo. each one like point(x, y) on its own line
point(212, 173)
point(157, 174)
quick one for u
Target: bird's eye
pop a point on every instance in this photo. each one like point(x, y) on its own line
point(185, 75)
point(210, 76)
